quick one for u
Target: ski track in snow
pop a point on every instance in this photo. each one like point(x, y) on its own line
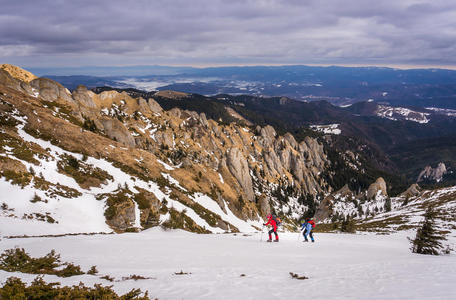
point(339, 266)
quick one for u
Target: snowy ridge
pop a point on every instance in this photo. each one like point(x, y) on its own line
point(402, 213)
point(400, 113)
point(443, 111)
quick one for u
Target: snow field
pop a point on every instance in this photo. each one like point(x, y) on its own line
point(339, 266)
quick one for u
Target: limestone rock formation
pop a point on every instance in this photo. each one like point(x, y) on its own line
point(154, 106)
point(374, 188)
point(18, 73)
point(117, 131)
point(124, 216)
point(237, 164)
point(413, 190)
point(50, 90)
point(84, 97)
point(435, 174)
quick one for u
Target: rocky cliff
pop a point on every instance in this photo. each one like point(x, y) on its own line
point(432, 174)
point(191, 160)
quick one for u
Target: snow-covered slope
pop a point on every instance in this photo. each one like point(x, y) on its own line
point(62, 206)
point(226, 266)
point(401, 113)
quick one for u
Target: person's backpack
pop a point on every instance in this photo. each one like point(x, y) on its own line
point(312, 223)
point(277, 220)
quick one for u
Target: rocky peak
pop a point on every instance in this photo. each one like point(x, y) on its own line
point(52, 91)
point(435, 174)
point(378, 186)
point(412, 191)
point(18, 73)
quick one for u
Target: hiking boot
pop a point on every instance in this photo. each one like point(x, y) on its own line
point(276, 241)
point(269, 241)
point(313, 241)
point(306, 240)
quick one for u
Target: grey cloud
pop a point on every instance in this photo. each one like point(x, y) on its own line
point(230, 32)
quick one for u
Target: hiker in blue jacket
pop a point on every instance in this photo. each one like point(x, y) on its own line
point(307, 227)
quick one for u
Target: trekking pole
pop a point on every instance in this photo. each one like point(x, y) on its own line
point(262, 230)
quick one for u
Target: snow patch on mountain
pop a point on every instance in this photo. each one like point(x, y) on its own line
point(443, 111)
point(327, 129)
point(401, 113)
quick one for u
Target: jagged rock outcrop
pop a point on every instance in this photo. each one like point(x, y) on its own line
point(124, 216)
point(118, 132)
point(435, 174)
point(324, 210)
point(7, 80)
point(243, 170)
point(378, 186)
point(50, 90)
point(154, 106)
point(412, 191)
point(18, 73)
point(237, 164)
point(84, 97)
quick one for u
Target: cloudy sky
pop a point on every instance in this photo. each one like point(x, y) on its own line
point(232, 32)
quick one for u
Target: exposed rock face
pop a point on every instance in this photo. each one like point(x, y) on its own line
point(18, 73)
point(124, 217)
point(154, 106)
point(324, 210)
point(84, 97)
point(413, 190)
point(374, 188)
point(237, 164)
point(11, 165)
point(430, 173)
point(117, 131)
point(9, 81)
point(50, 90)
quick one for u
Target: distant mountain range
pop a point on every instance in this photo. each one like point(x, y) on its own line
point(337, 85)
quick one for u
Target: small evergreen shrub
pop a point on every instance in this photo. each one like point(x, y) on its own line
point(348, 225)
point(93, 270)
point(14, 288)
point(17, 260)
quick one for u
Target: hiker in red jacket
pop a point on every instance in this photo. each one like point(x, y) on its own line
point(273, 223)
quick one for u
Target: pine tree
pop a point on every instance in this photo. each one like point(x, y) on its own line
point(427, 240)
point(388, 204)
point(348, 225)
